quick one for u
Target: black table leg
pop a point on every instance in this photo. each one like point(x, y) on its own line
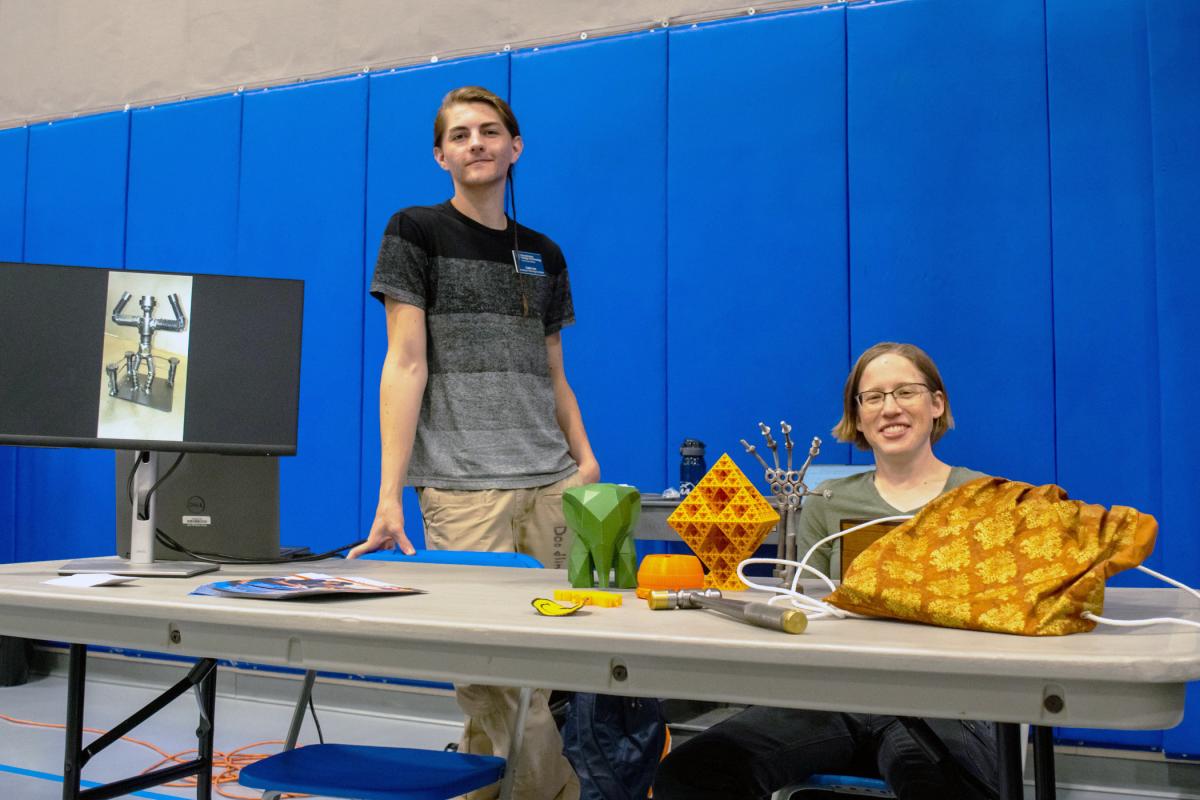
point(1008, 760)
point(207, 695)
point(1043, 763)
point(202, 678)
point(76, 676)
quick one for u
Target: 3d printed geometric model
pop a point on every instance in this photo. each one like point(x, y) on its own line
point(724, 520)
point(602, 516)
point(132, 388)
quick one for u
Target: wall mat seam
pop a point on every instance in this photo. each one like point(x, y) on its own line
point(848, 341)
point(14, 176)
point(1050, 240)
point(665, 419)
point(362, 318)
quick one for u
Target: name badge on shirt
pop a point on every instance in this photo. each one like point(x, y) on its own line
point(529, 263)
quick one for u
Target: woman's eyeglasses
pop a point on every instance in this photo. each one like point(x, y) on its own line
point(906, 394)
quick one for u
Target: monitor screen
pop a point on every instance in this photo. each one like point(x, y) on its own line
point(149, 360)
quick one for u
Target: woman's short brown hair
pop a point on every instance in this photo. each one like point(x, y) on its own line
point(847, 428)
point(473, 94)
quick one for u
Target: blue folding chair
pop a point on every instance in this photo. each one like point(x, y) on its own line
point(852, 786)
point(847, 785)
point(361, 772)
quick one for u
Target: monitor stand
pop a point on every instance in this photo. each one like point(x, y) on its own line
point(141, 561)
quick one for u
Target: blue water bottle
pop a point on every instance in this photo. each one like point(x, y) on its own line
point(691, 464)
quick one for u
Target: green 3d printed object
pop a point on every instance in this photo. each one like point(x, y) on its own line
point(602, 516)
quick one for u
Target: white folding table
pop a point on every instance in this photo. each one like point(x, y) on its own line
point(476, 624)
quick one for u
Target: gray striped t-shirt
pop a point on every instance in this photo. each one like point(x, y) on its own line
point(487, 418)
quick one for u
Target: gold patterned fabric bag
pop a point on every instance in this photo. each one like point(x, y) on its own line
point(1001, 556)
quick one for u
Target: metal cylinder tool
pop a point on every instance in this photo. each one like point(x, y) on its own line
point(764, 615)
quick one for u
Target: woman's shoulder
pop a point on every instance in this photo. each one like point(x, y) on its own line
point(961, 475)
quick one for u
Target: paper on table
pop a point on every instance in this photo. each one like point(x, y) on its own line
point(92, 579)
point(321, 576)
point(304, 584)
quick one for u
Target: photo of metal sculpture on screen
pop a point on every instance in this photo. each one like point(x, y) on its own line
point(142, 379)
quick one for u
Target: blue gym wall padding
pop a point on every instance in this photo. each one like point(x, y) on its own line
point(183, 186)
point(8, 478)
point(85, 226)
point(592, 177)
point(1173, 33)
point(65, 505)
point(949, 214)
point(300, 215)
point(401, 172)
point(14, 145)
point(756, 232)
point(1106, 339)
point(64, 498)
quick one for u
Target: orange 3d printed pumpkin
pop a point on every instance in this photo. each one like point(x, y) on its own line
point(724, 520)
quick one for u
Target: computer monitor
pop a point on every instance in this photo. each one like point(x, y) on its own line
point(152, 362)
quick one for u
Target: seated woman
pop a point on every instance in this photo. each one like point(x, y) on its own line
point(896, 406)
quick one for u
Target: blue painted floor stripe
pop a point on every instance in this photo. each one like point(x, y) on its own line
point(47, 776)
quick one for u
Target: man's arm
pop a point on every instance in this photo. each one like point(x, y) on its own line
point(401, 387)
point(566, 412)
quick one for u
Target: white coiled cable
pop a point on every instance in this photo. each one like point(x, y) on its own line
point(811, 606)
point(1137, 623)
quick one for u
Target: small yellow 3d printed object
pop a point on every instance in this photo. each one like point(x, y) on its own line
point(589, 597)
point(724, 520)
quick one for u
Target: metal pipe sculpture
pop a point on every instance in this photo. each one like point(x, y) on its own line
point(132, 387)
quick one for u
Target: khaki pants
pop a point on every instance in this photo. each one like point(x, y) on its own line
point(508, 520)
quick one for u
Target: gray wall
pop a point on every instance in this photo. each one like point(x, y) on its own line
point(59, 58)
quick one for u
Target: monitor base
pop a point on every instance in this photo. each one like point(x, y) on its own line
point(122, 566)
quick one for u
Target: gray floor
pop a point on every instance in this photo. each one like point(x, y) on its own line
point(253, 707)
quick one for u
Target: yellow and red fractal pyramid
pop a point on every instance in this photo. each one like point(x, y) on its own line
point(724, 520)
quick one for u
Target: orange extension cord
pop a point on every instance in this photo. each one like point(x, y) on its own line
point(226, 766)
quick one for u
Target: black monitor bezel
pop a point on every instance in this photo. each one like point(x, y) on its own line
point(171, 446)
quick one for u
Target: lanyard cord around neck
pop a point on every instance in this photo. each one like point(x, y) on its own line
point(521, 281)
point(512, 199)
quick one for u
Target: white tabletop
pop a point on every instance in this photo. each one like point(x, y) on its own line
point(477, 624)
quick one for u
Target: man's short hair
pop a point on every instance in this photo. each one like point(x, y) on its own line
point(847, 428)
point(473, 94)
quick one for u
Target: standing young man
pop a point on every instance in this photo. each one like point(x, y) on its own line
point(474, 406)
